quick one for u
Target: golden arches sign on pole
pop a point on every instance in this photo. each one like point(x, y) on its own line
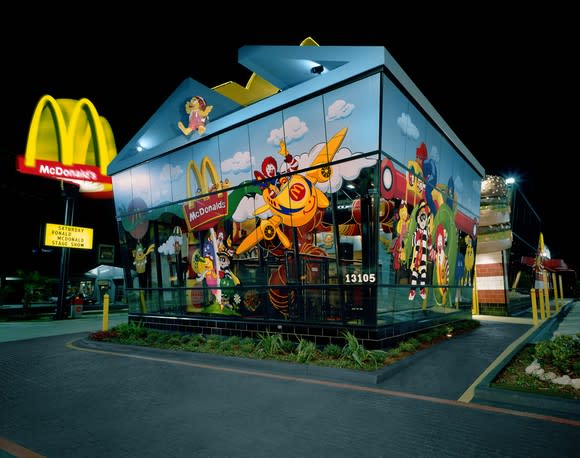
point(69, 141)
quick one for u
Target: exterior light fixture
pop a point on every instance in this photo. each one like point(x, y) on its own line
point(317, 70)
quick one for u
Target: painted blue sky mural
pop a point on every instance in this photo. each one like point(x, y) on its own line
point(405, 129)
point(237, 155)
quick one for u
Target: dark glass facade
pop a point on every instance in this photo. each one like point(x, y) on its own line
point(349, 209)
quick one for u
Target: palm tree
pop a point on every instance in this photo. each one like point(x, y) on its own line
point(33, 281)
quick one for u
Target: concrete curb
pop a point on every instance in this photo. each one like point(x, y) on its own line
point(286, 368)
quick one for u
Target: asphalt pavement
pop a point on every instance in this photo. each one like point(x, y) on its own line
point(63, 395)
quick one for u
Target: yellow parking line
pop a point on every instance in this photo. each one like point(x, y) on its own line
point(467, 396)
point(17, 450)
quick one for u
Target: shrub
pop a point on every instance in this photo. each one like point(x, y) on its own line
point(247, 345)
point(393, 352)
point(213, 342)
point(287, 346)
point(174, 341)
point(229, 344)
point(562, 352)
point(354, 351)
point(331, 351)
point(233, 340)
point(197, 340)
point(379, 357)
point(305, 351)
point(152, 338)
point(410, 345)
point(269, 344)
point(425, 338)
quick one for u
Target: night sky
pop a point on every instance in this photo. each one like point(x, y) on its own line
point(502, 83)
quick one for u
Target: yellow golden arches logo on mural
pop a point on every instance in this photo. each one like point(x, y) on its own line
point(203, 213)
point(206, 167)
point(69, 141)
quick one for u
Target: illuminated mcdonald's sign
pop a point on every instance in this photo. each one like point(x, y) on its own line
point(203, 213)
point(69, 141)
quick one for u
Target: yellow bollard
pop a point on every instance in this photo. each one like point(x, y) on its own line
point(561, 289)
point(546, 294)
point(143, 302)
point(555, 285)
point(105, 312)
point(474, 301)
point(534, 306)
point(542, 311)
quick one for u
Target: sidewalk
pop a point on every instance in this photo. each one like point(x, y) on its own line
point(566, 321)
point(47, 327)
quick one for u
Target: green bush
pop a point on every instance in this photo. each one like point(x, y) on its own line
point(213, 342)
point(287, 346)
point(425, 338)
point(152, 338)
point(305, 351)
point(247, 345)
point(563, 352)
point(409, 345)
point(270, 344)
point(394, 352)
point(198, 340)
point(331, 351)
point(233, 340)
point(379, 357)
point(351, 355)
point(354, 351)
point(174, 341)
point(231, 344)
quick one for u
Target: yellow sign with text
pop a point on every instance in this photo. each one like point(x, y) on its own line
point(68, 236)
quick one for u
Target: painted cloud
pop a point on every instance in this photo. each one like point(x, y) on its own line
point(407, 126)
point(458, 184)
point(168, 248)
point(175, 171)
point(434, 154)
point(240, 162)
point(346, 170)
point(247, 207)
point(294, 129)
point(339, 109)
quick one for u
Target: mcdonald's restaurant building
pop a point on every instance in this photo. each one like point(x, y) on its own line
point(326, 195)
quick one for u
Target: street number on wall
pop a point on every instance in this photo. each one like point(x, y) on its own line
point(359, 278)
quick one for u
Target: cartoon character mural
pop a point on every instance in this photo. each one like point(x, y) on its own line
point(198, 111)
point(140, 258)
point(211, 269)
point(174, 249)
point(227, 279)
point(298, 202)
point(140, 262)
point(268, 176)
point(422, 249)
point(469, 261)
point(398, 248)
point(441, 260)
point(446, 253)
point(435, 216)
point(295, 203)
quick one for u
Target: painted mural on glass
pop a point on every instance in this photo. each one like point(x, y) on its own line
point(238, 220)
point(435, 196)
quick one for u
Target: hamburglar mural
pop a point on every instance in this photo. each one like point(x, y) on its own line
point(336, 196)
